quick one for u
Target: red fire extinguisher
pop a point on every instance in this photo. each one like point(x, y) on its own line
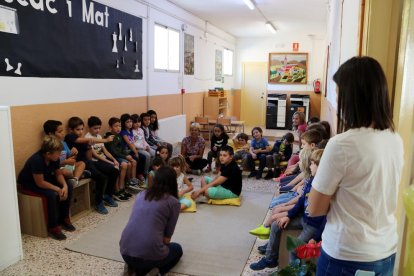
point(317, 86)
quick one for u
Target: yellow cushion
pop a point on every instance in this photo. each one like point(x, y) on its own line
point(228, 201)
point(193, 207)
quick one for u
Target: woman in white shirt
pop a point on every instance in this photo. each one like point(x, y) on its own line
point(358, 176)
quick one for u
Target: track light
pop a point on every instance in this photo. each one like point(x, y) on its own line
point(271, 28)
point(249, 3)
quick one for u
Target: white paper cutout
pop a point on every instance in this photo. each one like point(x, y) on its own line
point(8, 66)
point(19, 66)
point(136, 68)
point(130, 35)
point(120, 31)
point(136, 46)
point(114, 48)
point(125, 47)
point(123, 60)
point(117, 64)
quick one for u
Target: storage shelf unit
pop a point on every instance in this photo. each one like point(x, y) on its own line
point(214, 106)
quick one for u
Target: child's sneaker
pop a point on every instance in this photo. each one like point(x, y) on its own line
point(100, 208)
point(262, 249)
point(86, 174)
point(67, 225)
point(263, 263)
point(108, 200)
point(125, 193)
point(252, 174)
point(56, 233)
point(269, 175)
point(133, 181)
point(261, 231)
point(208, 169)
point(120, 197)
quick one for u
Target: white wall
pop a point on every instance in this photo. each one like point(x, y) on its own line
point(258, 49)
point(10, 239)
point(27, 91)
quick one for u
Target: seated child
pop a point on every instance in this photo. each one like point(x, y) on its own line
point(71, 168)
point(157, 163)
point(118, 151)
point(139, 141)
point(178, 164)
point(128, 142)
point(284, 202)
point(297, 218)
point(146, 121)
point(228, 184)
point(75, 139)
point(153, 127)
point(162, 151)
point(242, 148)
point(41, 174)
point(281, 151)
point(259, 148)
point(218, 140)
point(104, 161)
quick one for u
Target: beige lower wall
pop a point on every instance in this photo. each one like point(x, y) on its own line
point(27, 121)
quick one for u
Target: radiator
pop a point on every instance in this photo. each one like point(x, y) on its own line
point(172, 129)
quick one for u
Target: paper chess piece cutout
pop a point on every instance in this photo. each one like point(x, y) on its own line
point(114, 48)
point(8, 66)
point(136, 46)
point(130, 35)
point(136, 68)
point(117, 64)
point(123, 60)
point(19, 66)
point(125, 47)
point(120, 31)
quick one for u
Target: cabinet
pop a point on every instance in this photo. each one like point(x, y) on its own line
point(214, 106)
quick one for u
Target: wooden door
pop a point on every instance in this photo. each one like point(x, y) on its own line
point(253, 100)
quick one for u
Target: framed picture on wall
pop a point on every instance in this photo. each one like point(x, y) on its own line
point(188, 54)
point(288, 68)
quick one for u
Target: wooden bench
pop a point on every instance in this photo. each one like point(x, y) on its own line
point(32, 208)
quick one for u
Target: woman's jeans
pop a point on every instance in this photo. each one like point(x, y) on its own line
point(142, 267)
point(330, 266)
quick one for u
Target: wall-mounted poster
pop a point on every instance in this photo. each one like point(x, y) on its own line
point(69, 39)
point(188, 54)
point(219, 65)
point(288, 68)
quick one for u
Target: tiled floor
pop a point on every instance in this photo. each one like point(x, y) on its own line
point(49, 257)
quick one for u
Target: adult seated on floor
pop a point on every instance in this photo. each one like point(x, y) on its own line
point(192, 148)
point(145, 241)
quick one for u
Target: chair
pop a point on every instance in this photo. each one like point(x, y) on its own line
point(227, 124)
point(204, 126)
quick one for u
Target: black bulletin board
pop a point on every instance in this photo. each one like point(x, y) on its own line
point(51, 43)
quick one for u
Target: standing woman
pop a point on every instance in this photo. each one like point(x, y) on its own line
point(192, 148)
point(145, 242)
point(358, 176)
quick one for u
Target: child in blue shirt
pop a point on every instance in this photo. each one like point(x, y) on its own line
point(259, 148)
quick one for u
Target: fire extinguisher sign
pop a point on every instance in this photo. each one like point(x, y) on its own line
point(295, 46)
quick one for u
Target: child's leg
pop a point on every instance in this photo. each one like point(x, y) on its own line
point(185, 203)
point(307, 233)
point(147, 160)
point(79, 168)
point(218, 192)
point(209, 160)
point(67, 173)
point(124, 169)
point(133, 169)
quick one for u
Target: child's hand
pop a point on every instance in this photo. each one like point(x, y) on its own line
point(71, 160)
point(116, 163)
point(110, 138)
point(180, 194)
point(129, 158)
point(254, 156)
point(283, 222)
point(63, 194)
point(73, 151)
point(214, 148)
point(195, 194)
point(312, 241)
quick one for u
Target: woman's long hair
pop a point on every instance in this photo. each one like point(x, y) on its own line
point(362, 95)
point(164, 183)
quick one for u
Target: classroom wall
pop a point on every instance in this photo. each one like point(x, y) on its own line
point(34, 100)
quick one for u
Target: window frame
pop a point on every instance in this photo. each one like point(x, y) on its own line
point(232, 62)
point(168, 48)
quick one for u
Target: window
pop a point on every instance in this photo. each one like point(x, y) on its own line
point(227, 62)
point(166, 49)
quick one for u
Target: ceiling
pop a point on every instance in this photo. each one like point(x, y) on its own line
point(304, 17)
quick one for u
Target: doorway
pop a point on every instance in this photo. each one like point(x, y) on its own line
point(254, 87)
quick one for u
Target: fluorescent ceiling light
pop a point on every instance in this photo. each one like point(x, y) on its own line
point(271, 28)
point(249, 3)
